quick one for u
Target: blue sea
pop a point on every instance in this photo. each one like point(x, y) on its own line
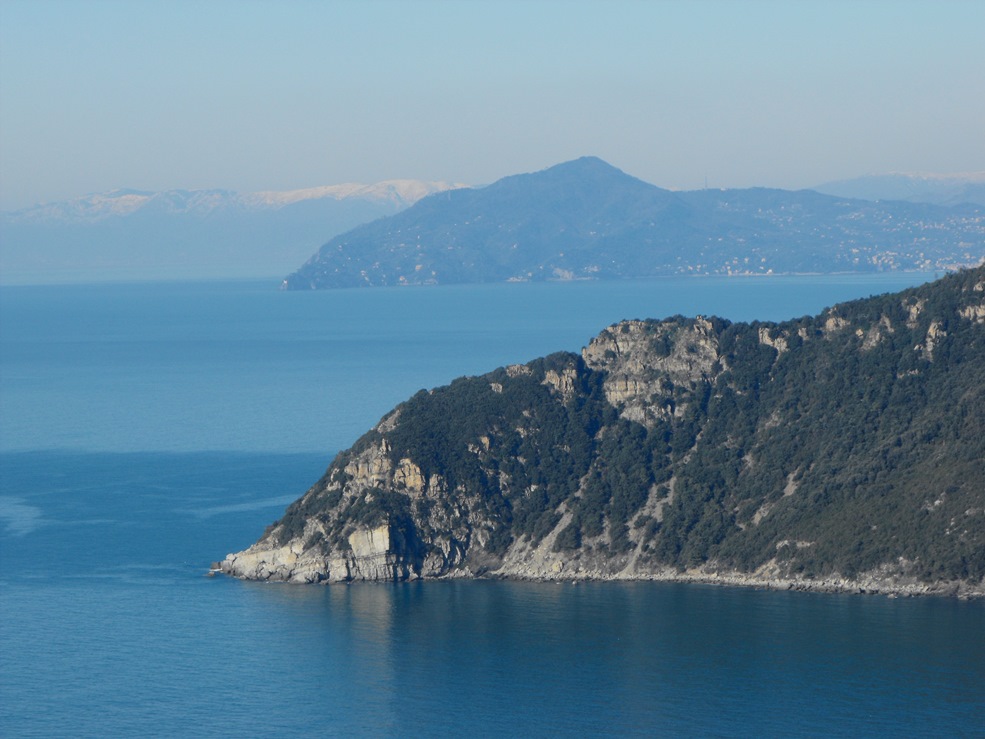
point(148, 429)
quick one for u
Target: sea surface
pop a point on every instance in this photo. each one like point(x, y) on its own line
point(148, 429)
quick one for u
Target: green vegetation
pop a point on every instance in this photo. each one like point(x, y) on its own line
point(830, 444)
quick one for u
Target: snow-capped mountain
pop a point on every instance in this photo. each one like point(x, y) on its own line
point(182, 234)
point(402, 193)
point(124, 202)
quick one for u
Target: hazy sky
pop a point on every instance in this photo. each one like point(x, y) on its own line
point(97, 94)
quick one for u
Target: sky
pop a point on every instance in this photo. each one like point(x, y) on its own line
point(253, 95)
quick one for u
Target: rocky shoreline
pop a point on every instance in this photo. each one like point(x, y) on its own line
point(283, 566)
point(540, 565)
point(868, 586)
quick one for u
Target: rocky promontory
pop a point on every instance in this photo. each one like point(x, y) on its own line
point(844, 451)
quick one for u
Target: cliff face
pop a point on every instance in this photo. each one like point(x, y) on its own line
point(846, 450)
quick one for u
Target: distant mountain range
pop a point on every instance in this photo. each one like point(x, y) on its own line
point(187, 234)
point(580, 220)
point(936, 189)
point(588, 220)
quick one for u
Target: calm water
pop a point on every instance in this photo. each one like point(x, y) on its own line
point(147, 430)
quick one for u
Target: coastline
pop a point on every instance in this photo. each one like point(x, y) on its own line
point(889, 580)
point(891, 587)
point(878, 582)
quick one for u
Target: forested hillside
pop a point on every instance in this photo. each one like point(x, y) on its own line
point(842, 446)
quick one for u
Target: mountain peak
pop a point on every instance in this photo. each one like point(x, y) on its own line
point(583, 167)
point(586, 163)
point(577, 181)
point(585, 219)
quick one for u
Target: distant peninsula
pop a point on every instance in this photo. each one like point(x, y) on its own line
point(587, 220)
point(842, 452)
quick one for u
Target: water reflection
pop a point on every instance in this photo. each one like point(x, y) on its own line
point(601, 658)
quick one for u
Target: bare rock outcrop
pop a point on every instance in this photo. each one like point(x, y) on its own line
point(650, 367)
point(843, 452)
